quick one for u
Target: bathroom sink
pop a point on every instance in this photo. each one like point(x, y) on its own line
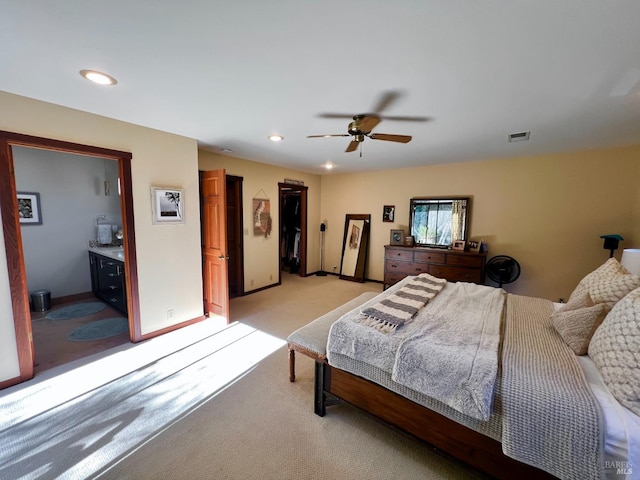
point(117, 253)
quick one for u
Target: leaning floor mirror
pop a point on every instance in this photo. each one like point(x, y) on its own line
point(355, 245)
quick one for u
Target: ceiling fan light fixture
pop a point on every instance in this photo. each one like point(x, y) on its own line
point(98, 77)
point(275, 138)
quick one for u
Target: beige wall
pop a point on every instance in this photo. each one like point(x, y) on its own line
point(169, 260)
point(261, 255)
point(547, 211)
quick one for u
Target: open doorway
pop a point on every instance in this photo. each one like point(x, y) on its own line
point(71, 252)
point(293, 229)
point(12, 228)
point(235, 236)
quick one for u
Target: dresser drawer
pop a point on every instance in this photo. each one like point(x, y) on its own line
point(393, 278)
point(465, 260)
point(428, 257)
point(401, 254)
point(456, 274)
point(408, 268)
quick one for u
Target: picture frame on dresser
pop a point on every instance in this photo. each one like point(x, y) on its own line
point(396, 237)
point(474, 246)
point(458, 245)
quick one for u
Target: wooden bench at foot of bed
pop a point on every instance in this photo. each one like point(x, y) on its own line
point(311, 340)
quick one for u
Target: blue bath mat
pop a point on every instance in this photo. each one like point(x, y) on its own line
point(107, 327)
point(76, 310)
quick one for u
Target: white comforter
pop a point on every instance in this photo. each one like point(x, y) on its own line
point(448, 351)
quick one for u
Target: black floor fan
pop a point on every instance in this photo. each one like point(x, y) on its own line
point(322, 273)
point(503, 269)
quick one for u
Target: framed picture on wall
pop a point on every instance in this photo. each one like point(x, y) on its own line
point(167, 205)
point(29, 208)
point(388, 213)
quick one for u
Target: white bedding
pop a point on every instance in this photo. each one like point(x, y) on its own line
point(622, 427)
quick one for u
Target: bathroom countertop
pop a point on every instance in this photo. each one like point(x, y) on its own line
point(115, 253)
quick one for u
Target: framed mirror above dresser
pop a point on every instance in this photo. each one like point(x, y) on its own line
point(438, 221)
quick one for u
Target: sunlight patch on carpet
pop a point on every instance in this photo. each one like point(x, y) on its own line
point(84, 435)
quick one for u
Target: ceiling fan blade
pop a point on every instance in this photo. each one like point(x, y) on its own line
point(329, 135)
point(352, 146)
point(387, 99)
point(368, 123)
point(335, 115)
point(391, 138)
point(405, 119)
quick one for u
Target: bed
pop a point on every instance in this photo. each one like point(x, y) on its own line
point(538, 409)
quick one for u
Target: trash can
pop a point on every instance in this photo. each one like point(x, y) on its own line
point(41, 300)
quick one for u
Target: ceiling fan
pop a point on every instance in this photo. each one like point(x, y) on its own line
point(363, 124)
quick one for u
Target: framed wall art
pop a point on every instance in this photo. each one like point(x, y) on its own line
point(29, 208)
point(167, 205)
point(388, 213)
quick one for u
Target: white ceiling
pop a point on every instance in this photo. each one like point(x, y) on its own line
point(229, 73)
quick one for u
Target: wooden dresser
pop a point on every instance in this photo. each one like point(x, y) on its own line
point(453, 265)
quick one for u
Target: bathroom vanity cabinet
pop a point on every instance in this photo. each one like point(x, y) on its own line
point(108, 281)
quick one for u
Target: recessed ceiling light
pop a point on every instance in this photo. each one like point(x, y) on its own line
point(226, 150)
point(329, 165)
point(275, 138)
point(98, 77)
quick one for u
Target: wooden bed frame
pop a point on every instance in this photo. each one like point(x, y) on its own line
point(463, 443)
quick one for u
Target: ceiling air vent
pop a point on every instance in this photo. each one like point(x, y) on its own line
point(519, 137)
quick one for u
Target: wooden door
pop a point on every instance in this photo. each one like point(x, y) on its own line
point(214, 243)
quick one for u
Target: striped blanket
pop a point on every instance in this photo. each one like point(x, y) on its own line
point(398, 308)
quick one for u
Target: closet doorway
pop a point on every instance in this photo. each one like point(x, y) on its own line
point(234, 236)
point(293, 229)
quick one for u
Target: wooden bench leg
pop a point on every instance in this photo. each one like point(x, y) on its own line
point(292, 365)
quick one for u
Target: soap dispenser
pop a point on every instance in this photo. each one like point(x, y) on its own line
point(105, 234)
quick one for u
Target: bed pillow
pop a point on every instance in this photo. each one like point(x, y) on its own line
point(615, 350)
point(607, 284)
point(608, 269)
point(576, 326)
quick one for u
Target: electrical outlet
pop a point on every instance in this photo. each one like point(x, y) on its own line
point(334, 268)
point(270, 277)
point(170, 314)
point(251, 283)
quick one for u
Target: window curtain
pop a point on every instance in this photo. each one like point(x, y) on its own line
point(457, 219)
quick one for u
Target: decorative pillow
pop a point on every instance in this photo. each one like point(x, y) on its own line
point(615, 349)
point(607, 284)
point(608, 269)
point(581, 300)
point(610, 290)
point(577, 326)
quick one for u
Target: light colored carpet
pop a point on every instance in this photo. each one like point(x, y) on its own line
point(219, 408)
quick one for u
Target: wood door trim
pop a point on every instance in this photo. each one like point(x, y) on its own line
point(13, 239)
